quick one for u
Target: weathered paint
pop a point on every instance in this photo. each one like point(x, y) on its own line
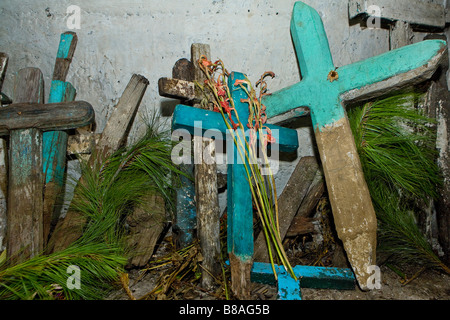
point(55, 142)
point(308, 277)
point(185, 116)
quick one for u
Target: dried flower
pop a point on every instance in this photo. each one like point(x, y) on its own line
point(333, 75)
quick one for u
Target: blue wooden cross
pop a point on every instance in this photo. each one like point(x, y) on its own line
point(239, 203)
point(54, 143)
point(324, 90)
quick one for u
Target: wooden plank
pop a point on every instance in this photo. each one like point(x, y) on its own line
point(298, 184)
point(52, 116)
point(55, 142)
point(112, 138)
point(207, 198)
point(309, 276)
point(146, 223)
point(82, 143)
point(185, 222)
point(421, 13)
point(3, 164)
point(349, 196)
point(437, 105)
point(3, 66)
point(116, 131)
point(301, 226)
point(178, 89)
point(25, 181)
point(288, 287)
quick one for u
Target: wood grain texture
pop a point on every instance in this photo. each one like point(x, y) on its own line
point(66, 49)
point(421, 13)
point(349, 196)
point(146, 223)
point(52, 116)
point(54, 151)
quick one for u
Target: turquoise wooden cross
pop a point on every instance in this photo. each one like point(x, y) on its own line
point(324, 90)
point(54, 143)
point(240, 211)
point(239, 198)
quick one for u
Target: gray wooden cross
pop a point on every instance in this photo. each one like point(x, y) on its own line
point(24, 121)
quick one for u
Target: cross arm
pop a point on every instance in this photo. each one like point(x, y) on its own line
point(184, 117)
point(310, 41)
point(53, 116)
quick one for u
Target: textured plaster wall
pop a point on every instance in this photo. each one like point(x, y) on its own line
point(118, 38)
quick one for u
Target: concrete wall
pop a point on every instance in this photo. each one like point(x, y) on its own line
point(118, 38)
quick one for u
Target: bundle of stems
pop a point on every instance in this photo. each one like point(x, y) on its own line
point(262, 183)
point(396, 145)
point(105, 196)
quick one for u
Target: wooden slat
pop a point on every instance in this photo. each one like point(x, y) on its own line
point(54, 147)
point(112, 138)
point(25, 183)
point(298, 185)
point(421, 13)
point(207, 198)
point(64, 55)
point(52, 116)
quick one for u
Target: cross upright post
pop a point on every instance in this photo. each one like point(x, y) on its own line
point(24, 122)
point(324, 90)
point(54, 143)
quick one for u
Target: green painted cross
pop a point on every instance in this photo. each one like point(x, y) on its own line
point(324, 90)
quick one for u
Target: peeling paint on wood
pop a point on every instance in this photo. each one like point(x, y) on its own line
point(239, 198)
point(350, 198)
point(25, 181)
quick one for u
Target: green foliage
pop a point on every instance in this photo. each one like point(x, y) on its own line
point(104, 197)
point(396, 145)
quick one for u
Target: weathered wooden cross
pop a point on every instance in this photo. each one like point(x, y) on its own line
point(324, 90)
point(24, 121)
point(197, 204)
point(423, 16)
point(239, 197)
point(54, 143)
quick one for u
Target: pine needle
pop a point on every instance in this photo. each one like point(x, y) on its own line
point(396, 146)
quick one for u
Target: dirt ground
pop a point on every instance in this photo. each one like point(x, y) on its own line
point(428, 285)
